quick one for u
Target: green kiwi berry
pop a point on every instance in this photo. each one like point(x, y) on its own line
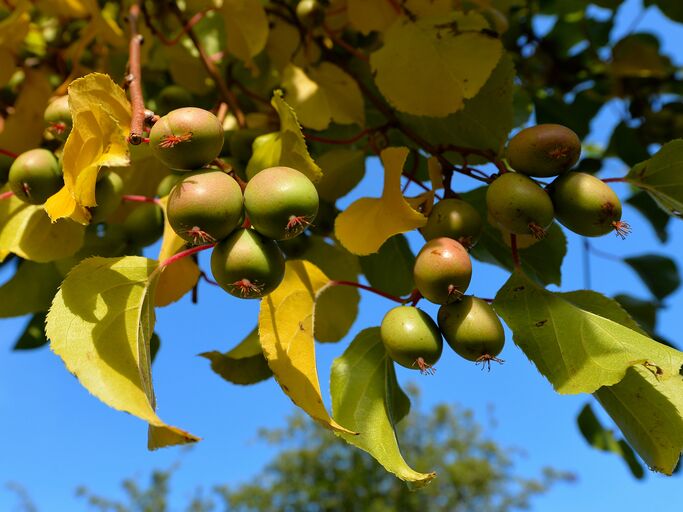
point(108, 194)
point(411, 338)
point(144, 225)
point(58, 118)
point(35, 175)
point(544, 150)
point(456, 219)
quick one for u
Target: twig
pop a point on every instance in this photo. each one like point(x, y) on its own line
point(134, 77)
point(614, 180)
point(174, 40)
point(371, 289)
point(229, 169)
point(340, 42)
point(350, 140)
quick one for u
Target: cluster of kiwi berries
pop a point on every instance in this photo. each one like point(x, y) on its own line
point(516, 204)
point(209, 206)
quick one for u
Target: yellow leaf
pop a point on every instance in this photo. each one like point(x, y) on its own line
point(247, 27)
point(100, 324)
point(23, 129)
point(178, 278)
point(13, 28)
point(286, 335)
point(64, 8)
point(283, 41)
point(429, 67)
point(369, 15)
point(322, 94)
point(368, 222)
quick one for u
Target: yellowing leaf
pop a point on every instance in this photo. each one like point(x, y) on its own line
point(369, 15)
point(286, 334)
point(30, 289)
point(283, 41)
point(247, 27)
point(100, 324)
point(26, 231)
point(23, 129)
point(363, 388)
point(322, 94)
point(178, 278)
point(368, 222)
point(101, 121)
point(429, 67)
point(286, 147)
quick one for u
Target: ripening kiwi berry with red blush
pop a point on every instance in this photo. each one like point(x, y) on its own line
point(35, 175)
point(442, 270)
point(544, 150)
point(187, 138)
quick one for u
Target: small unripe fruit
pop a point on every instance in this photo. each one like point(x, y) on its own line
point(186, 138)
point(35, 175)
point(108, 193)
point(442, 270)
point(173, 97)
point(58, 118)
point(472, 329)
point(456, 219)
point(544, 150)
point(519, 205)
point(166, 185)
point(280, 202)
point(411, 338)
point(144, 225)
point(310, 13)
point(587, 206)
point(247, 265)
point(205, 207)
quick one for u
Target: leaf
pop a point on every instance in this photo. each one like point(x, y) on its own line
point(179, 278)
point(100, 324)
point(576, 115)
point(323, 94)
point(15, 27)
point(342, 171)
point(286, 147)
point(671, 8)
point(363, 388)
point(625, 144)
point(101, 121)
point(26, 231)
point(602, 439)
point(247, 27)
point(368, 222)
point(7, 66)
point(371, 15)
point(34, 334)
point(638, 55)
point(484, 122)
point(648, 408)
point(660, 177)
point(542, 261)
point(659, 273)
point(286, 335)
point(449, 59)
point(644, 312)
point(30, 289)
point(283, 42)
point(244, 364)
point(574, 339)
point(391, 268)
point(658, 219)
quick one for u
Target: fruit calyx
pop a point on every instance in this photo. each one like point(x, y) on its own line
point(170, 141)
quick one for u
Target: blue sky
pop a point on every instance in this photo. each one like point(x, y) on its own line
point(57, 437)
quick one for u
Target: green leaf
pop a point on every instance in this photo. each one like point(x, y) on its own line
point(33, 335)
point(244, 364)
point(286, 147)
point(576, 115)
point(30, 289)
point(671, 8)
point(660, 177)
point(602, 439)
point(391, 268)
point(642, 311)
point(342, 171)
point(657, 217)
point(659, 273)
point(100, 324)
point(543, 260)
point(364, 398)
point(580, 341)
point(626, 144)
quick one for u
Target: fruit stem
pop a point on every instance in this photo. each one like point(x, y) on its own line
point(185, 253)
point(370, 289)
point(614, 180)
point(515, 252)
point(350, 140)
point(230, 171)
point(140, 199)
point(134, 77)
point(8, 153)
point(340, 42)
point(6, 195)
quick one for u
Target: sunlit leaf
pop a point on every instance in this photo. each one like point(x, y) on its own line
point(246, 25)
point(34, 334)
point(659, 273)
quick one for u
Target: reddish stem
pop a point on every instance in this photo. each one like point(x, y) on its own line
point(515, 252)
point(228, 169)
point(614, 180)
point(396, 6)
point(185, 253)
point(8, 153)
point(370, 289)
point(350, 140)
point(140, 199)
point(6, 195)
point(340, 42)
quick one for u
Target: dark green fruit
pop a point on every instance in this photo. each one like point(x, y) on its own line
point(205, 207)
point(544, 150)
point(108, 193)
point(310, 13)
point(173, 97)
point(35, 175)
point(5, 164)
point(186, 138)
point(247, 265)
point(144, 225)
point(442, 270)
point(58, 118)
point(456, 219)
point(587, 205)
point(280, 202)
point(519, 205)
point(411, 338)
point(166, 185)
point(472, 329)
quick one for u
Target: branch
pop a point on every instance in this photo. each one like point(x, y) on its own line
point(134, 77)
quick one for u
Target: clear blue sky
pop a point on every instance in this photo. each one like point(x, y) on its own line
point(57, 437)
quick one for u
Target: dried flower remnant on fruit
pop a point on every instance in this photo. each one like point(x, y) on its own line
point(170, 141)
point(247, 289)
